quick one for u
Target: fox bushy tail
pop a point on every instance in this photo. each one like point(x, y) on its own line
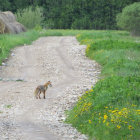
point(36, 92)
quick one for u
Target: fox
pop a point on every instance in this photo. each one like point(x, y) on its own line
point(42, 88)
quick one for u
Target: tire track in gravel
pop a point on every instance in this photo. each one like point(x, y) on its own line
point(58, 59)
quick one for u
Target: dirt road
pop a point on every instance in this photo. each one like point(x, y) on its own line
point(58, 59)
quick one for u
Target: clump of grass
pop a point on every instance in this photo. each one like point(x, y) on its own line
point(8, 106)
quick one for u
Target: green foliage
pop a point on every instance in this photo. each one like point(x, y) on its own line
point(30, 17)
point(129, 19)
point(4, 5)
point(73, 14)
point(111, 109)
point(82, 23)
point(83, 14)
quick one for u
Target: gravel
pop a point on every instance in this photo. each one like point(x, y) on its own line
point(58, 59)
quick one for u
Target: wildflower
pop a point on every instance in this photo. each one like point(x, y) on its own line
point(89, 121)
point(118, 126)
point(114, 111)
point(112, 121)
point(91, 90)
point(89, 104)
point(86, 91)
point(105, 117)
point(130, 127)
point(120, 113)
point(134, 105)
point(106, 107)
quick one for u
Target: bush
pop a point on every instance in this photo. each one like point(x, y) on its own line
point(129, 19)
point(30, 17)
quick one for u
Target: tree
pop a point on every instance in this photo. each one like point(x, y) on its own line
point(4, 5)
point(129, 19)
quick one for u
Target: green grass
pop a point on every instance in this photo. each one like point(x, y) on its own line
point(8, 42)
point(111, 109)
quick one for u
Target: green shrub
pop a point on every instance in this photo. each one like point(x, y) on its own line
point(129, 19)
point(30, 17)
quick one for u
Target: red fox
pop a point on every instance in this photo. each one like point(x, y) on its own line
point(42, 88)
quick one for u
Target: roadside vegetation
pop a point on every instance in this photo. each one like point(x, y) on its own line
point(111, 109)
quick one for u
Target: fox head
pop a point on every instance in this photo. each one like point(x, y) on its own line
point(49, 83)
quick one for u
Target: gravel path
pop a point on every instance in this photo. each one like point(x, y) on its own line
point(58, 59)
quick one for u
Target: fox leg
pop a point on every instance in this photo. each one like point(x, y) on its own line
point(39, 94)
point(44, 94)
point(36, 96)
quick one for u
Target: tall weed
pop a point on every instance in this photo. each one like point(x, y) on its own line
point(30, 17)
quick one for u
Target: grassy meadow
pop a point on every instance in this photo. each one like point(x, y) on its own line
point(111, 109)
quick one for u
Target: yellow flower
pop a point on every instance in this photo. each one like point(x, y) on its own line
point(104, 121)
point(89, 121)
point(134, 105)
point(120, 113)
point(106, 107)
point(89, 104)
point(112, 121)
point(105, 117)
point(130, 127)
point(114, 111)
point(91, 90)
point(86, 91)
point(118, 126)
